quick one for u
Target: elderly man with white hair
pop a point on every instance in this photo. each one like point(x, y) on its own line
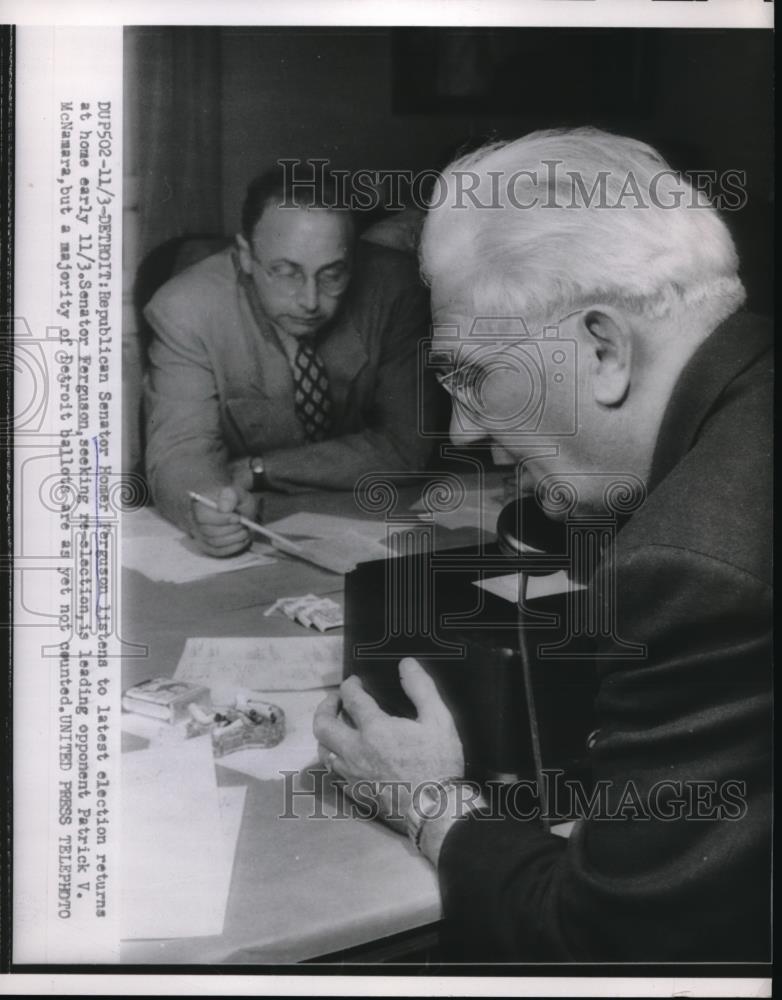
point(669, 385)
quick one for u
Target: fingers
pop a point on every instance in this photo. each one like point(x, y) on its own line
point(222, 534)
point(204, 515)
point(219, 532)
point(422, 691)
point(328, 728)
point(227, 499)
point(248, 504)
point(361, 706)
point(222, 539)
point(328, 708)
point(223, 547)
point(327, 758)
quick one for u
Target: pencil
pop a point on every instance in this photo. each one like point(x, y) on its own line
point(279, 540)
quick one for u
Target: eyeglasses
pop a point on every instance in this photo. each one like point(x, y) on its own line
point(506, 385)
point(500, 387)
point(290, 278)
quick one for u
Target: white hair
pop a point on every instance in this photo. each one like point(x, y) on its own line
point(561, 219)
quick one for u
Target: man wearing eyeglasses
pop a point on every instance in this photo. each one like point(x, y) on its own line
point(286, 363)
point(587, 312)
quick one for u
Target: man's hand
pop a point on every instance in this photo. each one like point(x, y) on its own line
point(241, 476)
point(219, 532)
point(385, 748)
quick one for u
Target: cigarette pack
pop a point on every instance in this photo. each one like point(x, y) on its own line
point(163, 698)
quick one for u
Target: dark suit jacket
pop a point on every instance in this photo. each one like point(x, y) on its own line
point(220, 386)
point(694, 574)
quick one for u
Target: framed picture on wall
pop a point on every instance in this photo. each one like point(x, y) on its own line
point(527, 71)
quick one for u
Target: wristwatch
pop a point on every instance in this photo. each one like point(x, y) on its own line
point(258, 470)
point(452, 797)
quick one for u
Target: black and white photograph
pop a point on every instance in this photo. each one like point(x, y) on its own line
point(392, 462)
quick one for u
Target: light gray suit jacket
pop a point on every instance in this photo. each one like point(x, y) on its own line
point(220, 386)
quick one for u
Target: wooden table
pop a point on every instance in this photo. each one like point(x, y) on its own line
point(301, 888)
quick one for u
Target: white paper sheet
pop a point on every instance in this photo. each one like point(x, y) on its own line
point(343, 554)
point(159, 550)
point(478, 509)
point(145, 522)
point(336, 543)
point(298, 750)
point(464, 517)
point(178, 560)
point(507, 587)
point(489, 501)
point(179, 840)
point(262, 664)
point(309, 525)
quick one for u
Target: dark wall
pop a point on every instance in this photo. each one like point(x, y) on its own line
point(323, 94)
point(374, 99)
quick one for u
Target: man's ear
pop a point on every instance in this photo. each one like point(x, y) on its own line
point(611, 337)
point(245, 255)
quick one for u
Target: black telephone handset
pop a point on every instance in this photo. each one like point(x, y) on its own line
point(522, 523)
point(484, 674)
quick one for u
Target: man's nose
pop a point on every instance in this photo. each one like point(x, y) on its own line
point(309, 295)
point(463, 430)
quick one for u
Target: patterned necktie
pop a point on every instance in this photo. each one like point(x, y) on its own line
point(311, 398)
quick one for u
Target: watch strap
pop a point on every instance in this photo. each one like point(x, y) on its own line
point(258, 471)
point(418, 814)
